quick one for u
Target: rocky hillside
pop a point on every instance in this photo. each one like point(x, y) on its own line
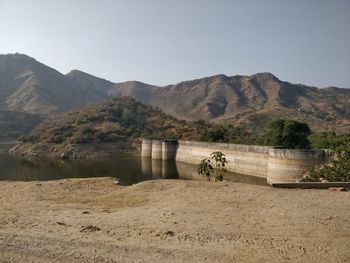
point(116, 123)
point(249, 100)
point(29, 86)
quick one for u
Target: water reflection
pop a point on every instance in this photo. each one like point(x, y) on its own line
point(158, 169)
point(127, 170)
point(169, 170)
point(189, 172)
point(146, 167)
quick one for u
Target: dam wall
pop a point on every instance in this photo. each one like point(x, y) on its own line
point(274, 164)
point(287, 165)
point(146, 148)
point(245, 159)
point(156, 150)
point(169, 149)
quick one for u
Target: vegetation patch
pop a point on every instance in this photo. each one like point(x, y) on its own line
point(289, 134)
point(336, 170)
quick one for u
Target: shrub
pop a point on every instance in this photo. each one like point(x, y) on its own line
point(108, 136)
point(87, 129)
point(214, 134)
point(57, 139)
point(85, 138)
point(336, 170)
point(216, 173)
point(30, 138)
point(328, 140)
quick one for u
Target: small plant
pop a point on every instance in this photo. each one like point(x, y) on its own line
point(216, 173)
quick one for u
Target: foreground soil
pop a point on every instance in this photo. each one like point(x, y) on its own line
point(96, 220)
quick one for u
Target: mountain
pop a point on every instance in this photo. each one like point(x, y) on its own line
point(103, 128)
point(29, 86)
point(247, 100)
point(14, 124)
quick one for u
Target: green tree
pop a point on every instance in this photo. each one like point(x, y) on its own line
point(288, 134)
point(216, 133)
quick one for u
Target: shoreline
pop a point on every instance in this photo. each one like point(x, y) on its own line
point(73, 151)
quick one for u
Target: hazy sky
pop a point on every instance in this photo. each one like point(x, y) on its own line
point(162, 41)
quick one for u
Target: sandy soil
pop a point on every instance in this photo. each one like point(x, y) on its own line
point(95, 220)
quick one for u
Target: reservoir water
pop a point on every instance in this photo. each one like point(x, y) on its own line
point(128, 170)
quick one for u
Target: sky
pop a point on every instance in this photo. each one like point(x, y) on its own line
point(163, 42)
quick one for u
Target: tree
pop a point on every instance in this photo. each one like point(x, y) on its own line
point(290, 134)
point(216, 173)
point(214, 134)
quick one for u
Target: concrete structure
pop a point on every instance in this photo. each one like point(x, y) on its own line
point(156, 150)
point(276, 165)
point(287, 165)
point(169, 149)
point(146, 148)
point(245, 159)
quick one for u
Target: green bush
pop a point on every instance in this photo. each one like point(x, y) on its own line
point(336, 170)
point(328, 140)
point(214, 134)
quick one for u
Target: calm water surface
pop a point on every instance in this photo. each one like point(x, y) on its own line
point(129, 170)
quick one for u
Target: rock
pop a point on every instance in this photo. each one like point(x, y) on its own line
point(169, 233)
point(89, 228)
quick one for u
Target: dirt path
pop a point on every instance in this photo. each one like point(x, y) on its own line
point(94, 220)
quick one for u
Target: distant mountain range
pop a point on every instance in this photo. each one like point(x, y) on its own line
point(32, 87)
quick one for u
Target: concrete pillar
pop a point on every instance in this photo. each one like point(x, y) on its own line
point(146, 148)
point(288, 165)
point(169, 149)
point(156, 150)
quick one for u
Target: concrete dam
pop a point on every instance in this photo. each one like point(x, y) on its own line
point(275, 164)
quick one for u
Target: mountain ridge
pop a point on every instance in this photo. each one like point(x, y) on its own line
point(30, 86)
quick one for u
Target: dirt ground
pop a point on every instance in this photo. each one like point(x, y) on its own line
point(95, 220)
